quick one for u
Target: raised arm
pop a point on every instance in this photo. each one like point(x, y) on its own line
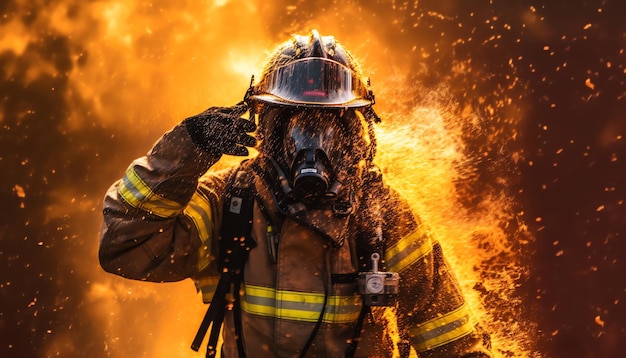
point(159, 222)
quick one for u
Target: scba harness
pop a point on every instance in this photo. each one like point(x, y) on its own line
point(236, 242)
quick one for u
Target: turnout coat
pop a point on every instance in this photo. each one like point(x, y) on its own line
point(162, 223)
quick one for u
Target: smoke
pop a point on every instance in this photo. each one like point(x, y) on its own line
point(486, 129)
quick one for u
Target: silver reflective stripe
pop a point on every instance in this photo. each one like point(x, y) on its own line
point(199, 211)
point(442, 330)
point(408, 250)
point(136, 192)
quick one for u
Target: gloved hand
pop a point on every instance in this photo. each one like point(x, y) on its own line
point(221, 130)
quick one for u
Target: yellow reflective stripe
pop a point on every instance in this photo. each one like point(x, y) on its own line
point(204, 256)
point(199, 211)
point(137, 193)
point(442, 330)
point(299, 306)
point(207, 286)
point(408, 250)
point(343, 308)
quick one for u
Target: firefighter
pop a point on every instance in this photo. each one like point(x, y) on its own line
point(301, 248)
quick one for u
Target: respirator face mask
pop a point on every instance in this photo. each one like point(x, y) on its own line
point(323, 150)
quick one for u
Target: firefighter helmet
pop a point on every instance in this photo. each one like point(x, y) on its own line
point(312, 71)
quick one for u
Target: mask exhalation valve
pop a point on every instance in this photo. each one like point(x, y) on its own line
point(311, 173)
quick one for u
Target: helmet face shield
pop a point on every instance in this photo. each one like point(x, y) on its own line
point(313, 81)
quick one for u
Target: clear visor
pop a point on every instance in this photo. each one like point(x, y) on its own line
point(312, 132)
point(314, 81)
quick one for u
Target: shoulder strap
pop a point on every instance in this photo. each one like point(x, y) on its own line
point(234, 245)
point(235, 234)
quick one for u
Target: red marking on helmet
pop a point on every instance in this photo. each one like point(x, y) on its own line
point(315, 93)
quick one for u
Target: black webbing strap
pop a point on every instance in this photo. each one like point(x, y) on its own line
point(365, 310)
point(214, 316)
point(234, 245)
point(237, 318)
point(344, 277)
point(211, 348)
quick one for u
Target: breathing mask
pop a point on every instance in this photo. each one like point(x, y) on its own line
point(323, 151)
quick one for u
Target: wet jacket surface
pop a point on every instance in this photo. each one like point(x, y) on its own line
point(162, 222)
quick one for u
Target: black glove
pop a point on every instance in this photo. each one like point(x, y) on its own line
point(221, 130)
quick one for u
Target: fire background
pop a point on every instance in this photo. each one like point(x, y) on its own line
point(538, 87)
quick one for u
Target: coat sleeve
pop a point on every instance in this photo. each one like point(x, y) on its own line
point(432, 313)
point(158, 220)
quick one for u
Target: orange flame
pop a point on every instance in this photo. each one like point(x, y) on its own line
point(142, 67)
